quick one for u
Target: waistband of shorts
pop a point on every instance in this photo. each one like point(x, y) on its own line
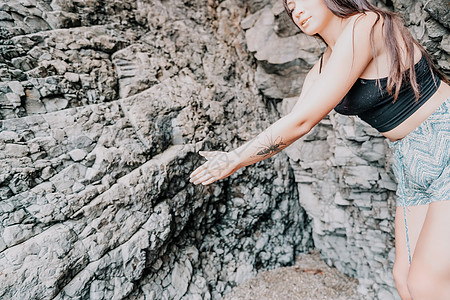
point(443, 109)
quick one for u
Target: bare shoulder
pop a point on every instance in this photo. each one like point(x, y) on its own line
point(358, 34)
point(368, 19)
point(364, 23)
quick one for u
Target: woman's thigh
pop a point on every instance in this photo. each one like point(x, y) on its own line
point(432, 252)
point(415, 217)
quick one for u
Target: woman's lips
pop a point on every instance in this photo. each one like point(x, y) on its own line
point(304, 22)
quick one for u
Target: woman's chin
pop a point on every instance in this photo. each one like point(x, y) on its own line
point(309, 32)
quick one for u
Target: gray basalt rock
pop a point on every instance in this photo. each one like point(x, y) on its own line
point(102, 116)
point(279, 73)
point(430, 24)
point(342, 167)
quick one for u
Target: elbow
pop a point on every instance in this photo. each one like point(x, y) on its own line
point(302, 125)
point(304, 128)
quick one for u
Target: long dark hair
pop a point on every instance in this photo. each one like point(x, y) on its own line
point(392, 23)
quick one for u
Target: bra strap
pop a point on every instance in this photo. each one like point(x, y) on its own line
point(320, 64)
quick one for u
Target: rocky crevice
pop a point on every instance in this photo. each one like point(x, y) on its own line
point(342, 167)
point(104, 106)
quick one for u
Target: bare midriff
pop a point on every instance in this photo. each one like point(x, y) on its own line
point(413, 121)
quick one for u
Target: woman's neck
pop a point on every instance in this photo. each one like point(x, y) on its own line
point(331, 32)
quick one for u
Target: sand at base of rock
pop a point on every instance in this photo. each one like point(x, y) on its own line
point(310, 278)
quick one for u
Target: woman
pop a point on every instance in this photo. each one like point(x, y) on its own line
point(373, 68)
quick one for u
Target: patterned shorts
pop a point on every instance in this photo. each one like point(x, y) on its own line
point(422, 161)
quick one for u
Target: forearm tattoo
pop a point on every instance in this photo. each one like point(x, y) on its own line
point(271, 147)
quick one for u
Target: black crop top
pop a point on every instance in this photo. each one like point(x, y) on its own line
point(376, 107)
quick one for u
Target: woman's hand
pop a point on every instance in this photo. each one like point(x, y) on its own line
point(218, 166)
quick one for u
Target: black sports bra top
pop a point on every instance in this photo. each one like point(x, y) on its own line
point(376, 107)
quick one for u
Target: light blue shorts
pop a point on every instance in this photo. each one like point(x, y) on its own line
point(421, 162)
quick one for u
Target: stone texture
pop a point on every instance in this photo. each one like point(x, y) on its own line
point(104, 106)
point(342, 167)
point(279, 73)
point(430, 24)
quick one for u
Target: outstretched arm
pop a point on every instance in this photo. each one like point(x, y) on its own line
point(322, 95)
point(271, 141)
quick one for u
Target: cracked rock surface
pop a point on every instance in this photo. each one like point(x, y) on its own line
point(342, 168)
point(103, 108)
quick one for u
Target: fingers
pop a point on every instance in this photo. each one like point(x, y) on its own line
point(209, 181)
point(206, 167)
point(203, 175)
point(215, 168)
point(196, 171)
point(209, 154)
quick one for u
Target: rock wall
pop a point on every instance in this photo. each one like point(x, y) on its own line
point(104, 105)
point(343, 167)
